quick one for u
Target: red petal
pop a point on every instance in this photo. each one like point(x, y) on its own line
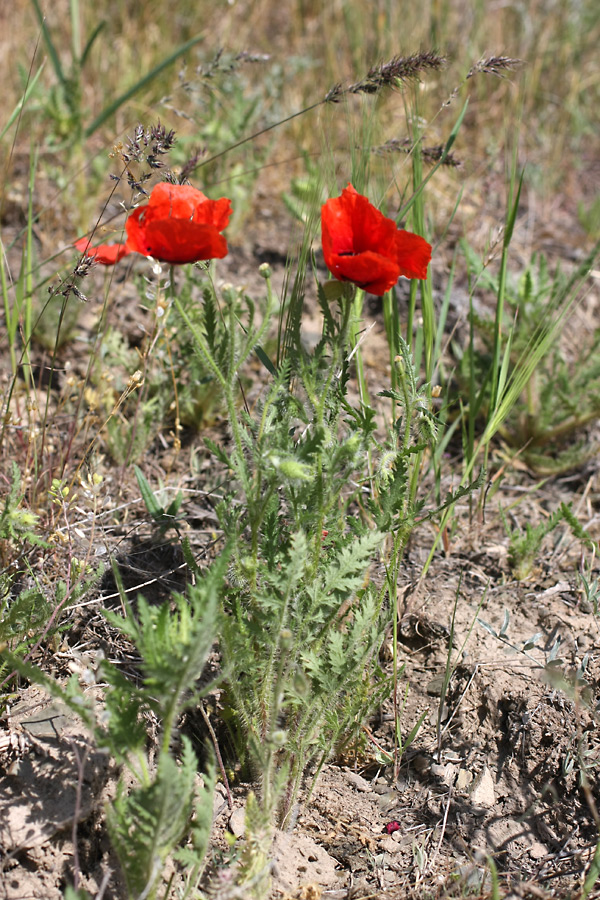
point(362, 245)
point(214, 212)
point(182, 201)
point(413, 254)
point(105, 254)
point(371, 229)
point(174, 241)
point(351, 224)
point(178, 201)
point(370, 271)
point(135, 227)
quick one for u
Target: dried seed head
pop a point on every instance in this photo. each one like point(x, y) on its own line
point(335, 93)
point(222, 63)
point(83, 267)
point(434, 154)
point(191, 165)
point(389, 74)
point(428, 154)
point(495, 65)
point(136, 184)
point(398, 69)
point(148, 144)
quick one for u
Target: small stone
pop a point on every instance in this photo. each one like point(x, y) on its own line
point(219, 799)
point(435, 687)
point(381, 787)
point(463, 779)
point(537, 850)
point(301, 861)
point(237, 822)
point(482, 793)
point(49, 722)
point(387, 801)
point(357, 781)
point(389, 844)
point(496, 551)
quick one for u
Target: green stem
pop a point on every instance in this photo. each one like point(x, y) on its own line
point(224, 383)
point(339, 349)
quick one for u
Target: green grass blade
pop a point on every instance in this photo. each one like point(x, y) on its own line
point(75, 28)
point(447, 147)
point(508, 232)
point(355, 337)
point(11, 316)
point(495, 887)
point(90, 43)
point(442, 318)
point(52, 53)
point(537, 348)
point(150, 501)
point(503, 374)
point(512, 218)
point(418, 225)
point(592, 874)
point(17, 110)
point(391, 321)
point(109, 110)
point(265, 361)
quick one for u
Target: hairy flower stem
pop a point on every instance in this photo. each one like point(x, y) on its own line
point(355, 341)
point(339, 346)
point(238, 350)
point(392, 573)
point(158, 293)
point(204, 350)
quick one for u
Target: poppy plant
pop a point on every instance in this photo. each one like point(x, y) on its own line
point(179, 224)
point(363, 246)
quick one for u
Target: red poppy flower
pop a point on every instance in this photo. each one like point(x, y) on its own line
point(179, 224)
point(362, 245)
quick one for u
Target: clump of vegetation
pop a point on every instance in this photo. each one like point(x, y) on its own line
point(314, 468)
point(525, 545)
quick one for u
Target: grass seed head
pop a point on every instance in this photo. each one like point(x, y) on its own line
point(495, 65)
